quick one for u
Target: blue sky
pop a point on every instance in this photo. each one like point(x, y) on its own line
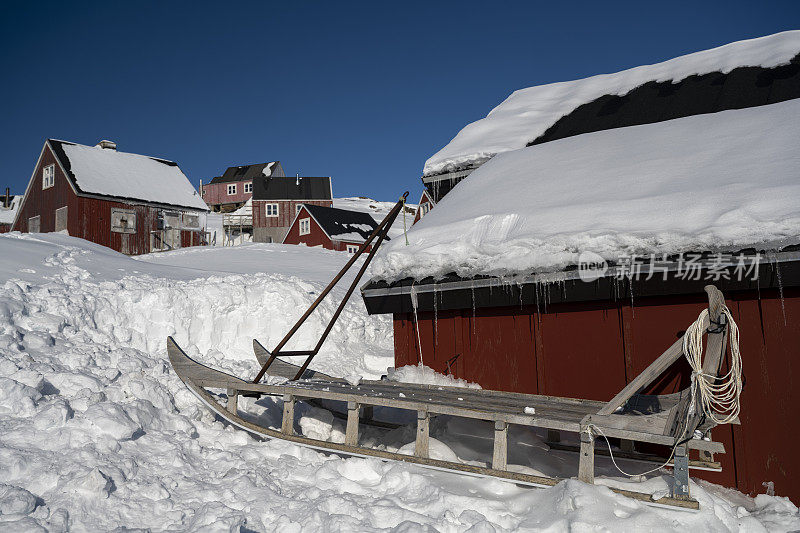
point(363, 92)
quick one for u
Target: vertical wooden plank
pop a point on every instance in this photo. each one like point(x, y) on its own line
point(500, 452)
point(422, 443)
point(232, 404)
point(586, 462)
point(351, 432)
point(287, 424)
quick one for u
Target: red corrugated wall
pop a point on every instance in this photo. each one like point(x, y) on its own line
point(591, 350)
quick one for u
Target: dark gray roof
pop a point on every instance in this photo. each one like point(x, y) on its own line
point(338, 223)
point(248, 172)
point(292, 188)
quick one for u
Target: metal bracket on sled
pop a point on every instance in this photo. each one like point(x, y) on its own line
point(680, 473)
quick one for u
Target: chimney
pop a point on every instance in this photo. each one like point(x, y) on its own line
point(297, 179)
point(107, 145)
point(201, 188)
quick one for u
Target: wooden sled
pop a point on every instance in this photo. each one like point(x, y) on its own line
point(668, 420)
point(629, 416)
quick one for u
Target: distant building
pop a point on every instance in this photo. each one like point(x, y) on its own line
point(426, 203)
point(234, 188)
point(331, 228)
point(277, 200)
point(131, 203)
point(9, 204)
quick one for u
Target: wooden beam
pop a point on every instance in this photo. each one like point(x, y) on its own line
point(645, 378)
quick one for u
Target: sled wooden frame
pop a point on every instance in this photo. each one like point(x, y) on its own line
point(629, 416)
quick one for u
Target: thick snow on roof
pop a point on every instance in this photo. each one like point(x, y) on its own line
point(121, 174)
point(8, 214)
point(706, 182)
point(527, 113)
point(378, 210)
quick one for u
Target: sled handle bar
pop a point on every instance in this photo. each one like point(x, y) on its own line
point(380, 233)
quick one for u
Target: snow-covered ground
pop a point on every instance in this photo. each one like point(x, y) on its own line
point(97, 432)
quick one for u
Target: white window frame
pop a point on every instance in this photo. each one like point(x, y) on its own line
point(248, 187)
point(424, 208)
point(128, 216)
point(305, 226)
point(231, 189)
point(271, 210)
point(48, 176)
point(352, 248)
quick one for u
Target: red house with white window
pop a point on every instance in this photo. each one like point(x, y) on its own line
point(426, 203)
point(331, 228)
point(131, 203)
point(234, 188)
point(277, 200)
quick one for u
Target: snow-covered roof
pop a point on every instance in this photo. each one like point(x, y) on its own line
point(343, 224)
point(726, 180)
point(528, 113)
point(108, 172)
point(8, 214)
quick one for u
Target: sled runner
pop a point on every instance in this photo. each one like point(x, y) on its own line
point(678, 421)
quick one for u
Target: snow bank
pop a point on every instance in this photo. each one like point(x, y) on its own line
point(722, 180)
point(527, 113)
point(103, 171)
point(98, 434)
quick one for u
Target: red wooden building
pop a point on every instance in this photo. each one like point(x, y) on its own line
point(426, 203)
point(231, 191)
point(277, 200)
point(131, 203)
point(332, 228)
point(552, 333)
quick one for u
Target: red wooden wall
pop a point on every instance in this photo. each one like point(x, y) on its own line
point(5, 228)
point(591, 350)
point(217, 193)
point(88, 218)
point(286, 212)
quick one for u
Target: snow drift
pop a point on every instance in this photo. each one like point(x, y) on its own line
point(97, 432)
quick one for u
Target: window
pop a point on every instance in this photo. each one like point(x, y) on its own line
point(297, 208)
point(191, 221)
point(48, 176)
point(61, 219)
point(352, 248)
point(305, 226)
point(423, 209)
point(248, 187)
point(34, 224)
point(123, 220)
point(271, 210)
point(231, 188)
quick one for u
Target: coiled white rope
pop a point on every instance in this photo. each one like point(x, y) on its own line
point(719, 401)
point(717, 396)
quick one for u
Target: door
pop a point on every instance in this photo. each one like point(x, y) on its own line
point(34, 224)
